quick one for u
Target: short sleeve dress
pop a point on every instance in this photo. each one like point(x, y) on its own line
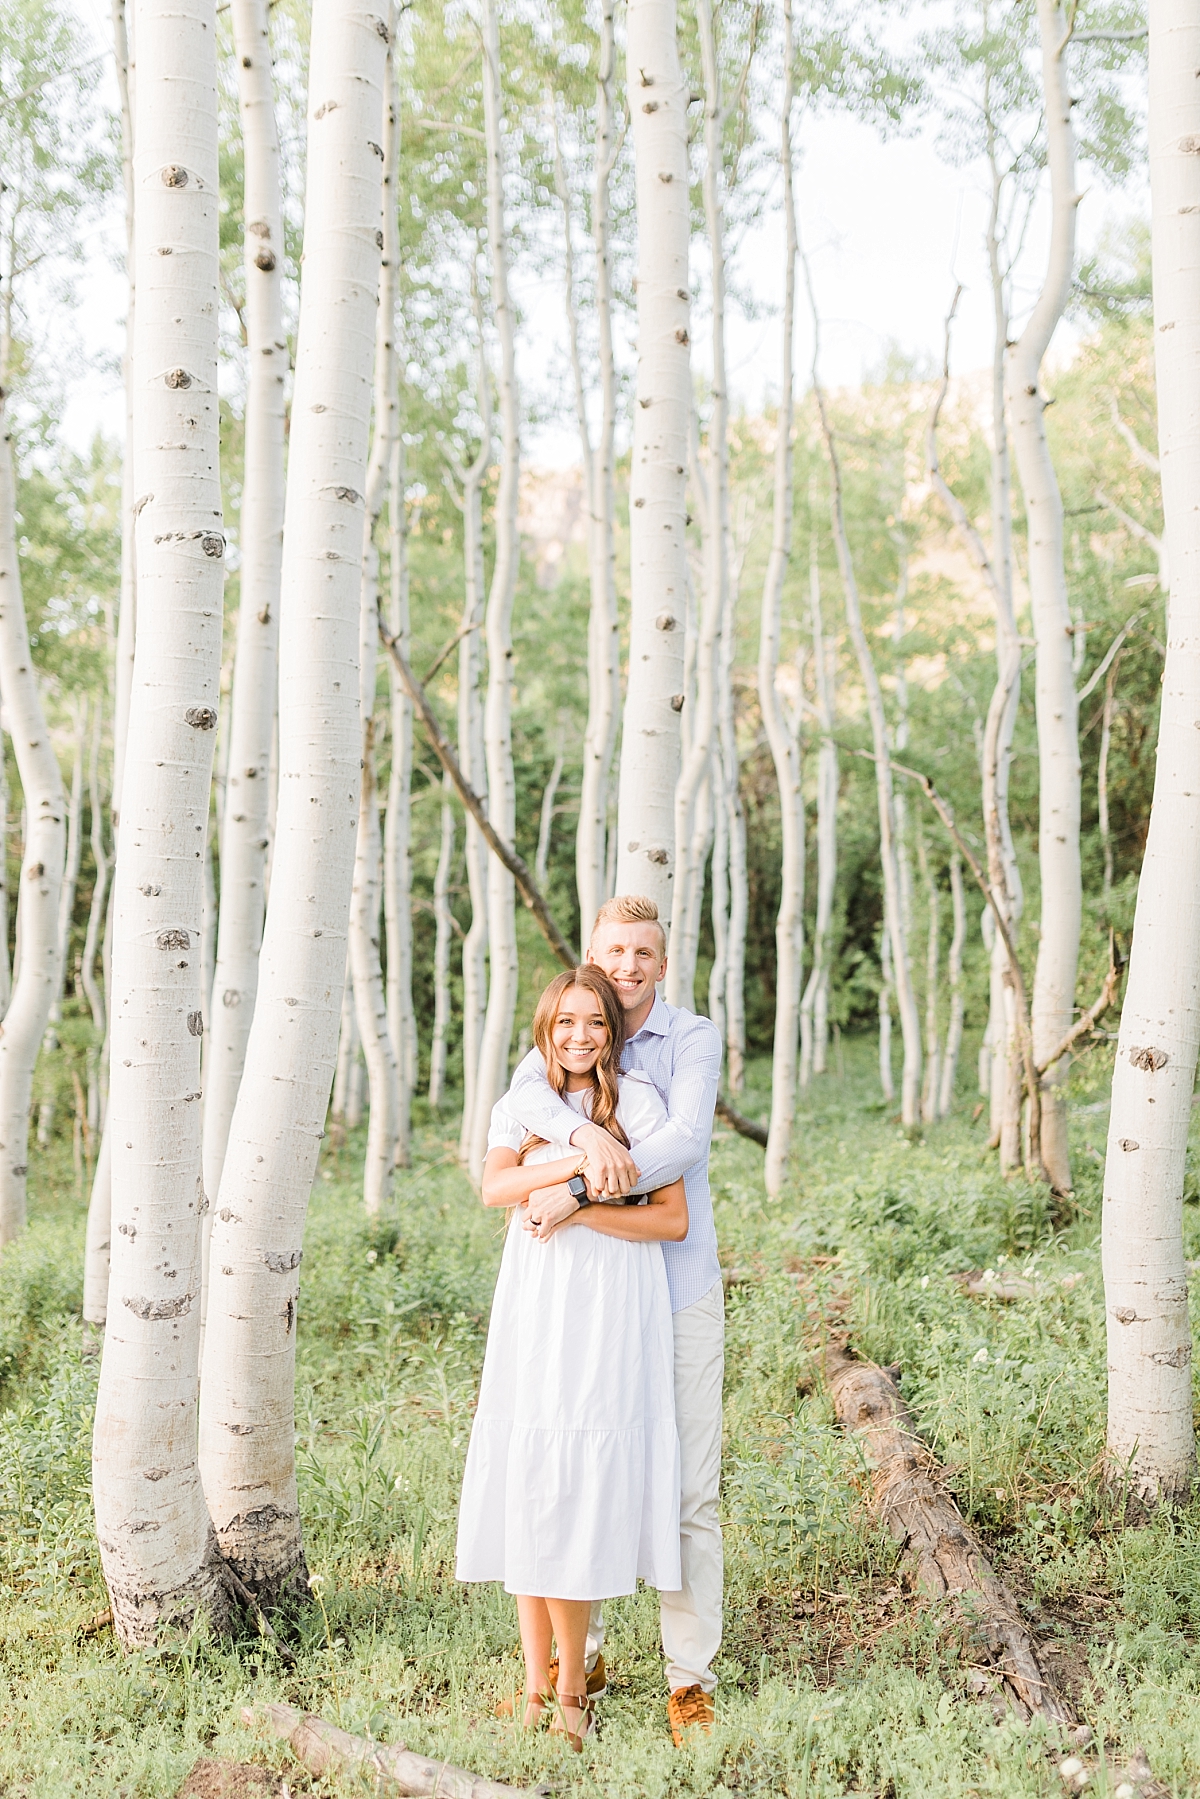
point(571, 1489)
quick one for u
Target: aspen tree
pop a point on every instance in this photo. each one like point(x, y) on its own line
point(245, 824)
point(381, 1050)
point(954, 1029)
point(900, 973)
point(599, 466)
point(160, 1559)
point(247, 1428)
point(781, 734)
point(814, 1008)
point(444, 926)
point(93, 988)
point(1056, 703)
point(37, 975)
point(492, 1072)
point(470, 733)
point(734, 960)
point(657, 98)
point(66, 913)
point(397, 838)
point(1150, 1434)
point(931, 1094)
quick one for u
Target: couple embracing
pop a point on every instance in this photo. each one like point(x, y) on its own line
point(595, 1454)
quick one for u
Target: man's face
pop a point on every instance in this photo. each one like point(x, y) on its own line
point(631, 955)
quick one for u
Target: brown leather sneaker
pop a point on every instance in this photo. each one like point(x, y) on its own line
point(597, 1685)
point(690, 1708)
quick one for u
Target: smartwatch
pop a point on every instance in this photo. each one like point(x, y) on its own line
point(577, 1188)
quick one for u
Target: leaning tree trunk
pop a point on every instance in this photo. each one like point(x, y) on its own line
point(397, 839)
point(910, 1022)
point(245, 828)
point(160, 1558)
point(1150, 1434)
point(492, 1074)
point(36, 977)
point(658, 100)
point(247, 1408)
point(783, 739)
point(1056, 704)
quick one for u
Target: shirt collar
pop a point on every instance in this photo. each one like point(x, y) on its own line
point(658, 1020)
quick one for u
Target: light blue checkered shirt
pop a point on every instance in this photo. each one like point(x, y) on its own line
point(681, 1055)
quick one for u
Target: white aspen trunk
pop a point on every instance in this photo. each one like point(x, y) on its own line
point(906, 999)
point(693, 789)
point(933, 1042)
point(36, 978)
point(96, 1241)
point(954, 1029)
point(657, 98)
point(1110, 691)
point(5, 964)
point(713, 830)
point(492, 1072)
point(444, 927)
point(127, 610)
point(1150, 1434)
point(347, 1049)
point(470, 747)
point(814, 1009)
point(247, 1399)
point(599, 464)
point(381, 1050)
point(208, 926)
point(1056, 704)
point(886, 1079)
point(93, 988)
point(735, 826)
point(546, 820)
point(397, 841)
point(245, 819)
point(66, 913)
point(900, 974)
point(160, 1559)
point(370, 996)
point(781, 734)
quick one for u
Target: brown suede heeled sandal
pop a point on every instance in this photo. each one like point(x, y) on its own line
point(558, 1724)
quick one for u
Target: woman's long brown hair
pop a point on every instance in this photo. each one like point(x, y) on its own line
point(608, 1064)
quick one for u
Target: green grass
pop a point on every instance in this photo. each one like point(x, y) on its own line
point(833, 1679)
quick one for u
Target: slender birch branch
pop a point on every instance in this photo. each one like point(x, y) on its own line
point(504, 853)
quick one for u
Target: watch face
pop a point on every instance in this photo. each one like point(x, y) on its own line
point(577, 1187)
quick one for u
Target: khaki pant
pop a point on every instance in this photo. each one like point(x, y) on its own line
point(691, 1618)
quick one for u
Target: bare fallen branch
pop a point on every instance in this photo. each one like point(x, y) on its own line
point(323, 1748)
point(949, 1560)
point(1088, 1020)
point(737, 1121)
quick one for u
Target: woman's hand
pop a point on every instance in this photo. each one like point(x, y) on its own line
point(548, 1208)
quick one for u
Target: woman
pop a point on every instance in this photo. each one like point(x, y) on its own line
point(571, 1491)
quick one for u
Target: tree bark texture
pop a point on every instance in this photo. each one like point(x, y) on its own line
point(245, 826)
point(657, 98)
point(492, 1074)
point(247, 1410)
point(1150, 1437)
point(814, 1008)
point(160, 1558)
point(323, 1748)
point(781, 733)
point(947, 1559)
point(1056, 704)
point(443, 927)
point(954, 1029)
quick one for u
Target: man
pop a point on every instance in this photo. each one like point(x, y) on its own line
point(681, 1054)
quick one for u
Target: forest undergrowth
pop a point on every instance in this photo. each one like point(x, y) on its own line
point(834, 1677)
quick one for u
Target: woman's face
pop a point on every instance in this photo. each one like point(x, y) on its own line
point(579, 1032)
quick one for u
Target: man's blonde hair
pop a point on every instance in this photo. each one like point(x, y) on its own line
point(630, 908)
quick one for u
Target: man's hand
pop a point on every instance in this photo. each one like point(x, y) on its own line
point(548, 1207)
point(611, 1172)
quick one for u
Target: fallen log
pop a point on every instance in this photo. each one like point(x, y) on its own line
point(949, 1561)
point(322, 1748)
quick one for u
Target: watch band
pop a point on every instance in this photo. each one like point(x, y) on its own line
point(577, 1188)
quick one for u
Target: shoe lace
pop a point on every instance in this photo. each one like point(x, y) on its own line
point(692, 1705)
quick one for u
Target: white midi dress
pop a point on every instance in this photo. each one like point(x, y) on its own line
point(571, 1488)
